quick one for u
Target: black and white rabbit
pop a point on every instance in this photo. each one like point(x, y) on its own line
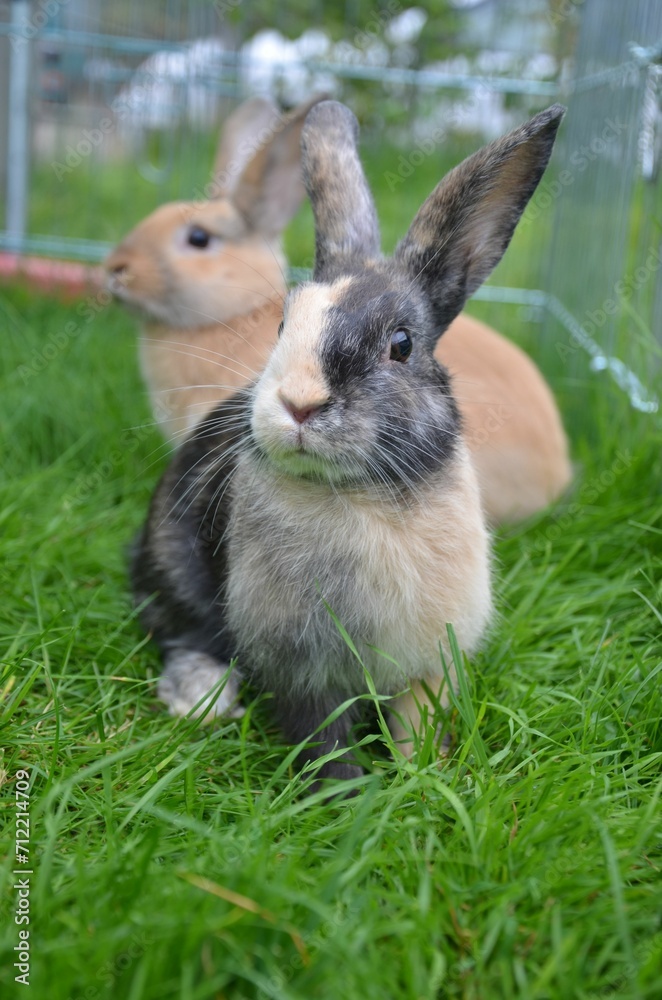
point(340, 481)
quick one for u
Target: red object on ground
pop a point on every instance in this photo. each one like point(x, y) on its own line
point(62, 277)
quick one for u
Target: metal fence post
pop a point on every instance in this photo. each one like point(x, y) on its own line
point(18, 128)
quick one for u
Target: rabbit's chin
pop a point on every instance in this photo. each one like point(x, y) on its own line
point(176, 317)
point(132, 306)
point(136, 306)
point(302, 464)
point(148, 310)
point(297, 452)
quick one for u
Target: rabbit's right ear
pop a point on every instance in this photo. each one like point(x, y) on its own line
point(461, 232)
point(243, 133)
point(346, 227)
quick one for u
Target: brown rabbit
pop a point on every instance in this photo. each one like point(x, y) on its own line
point(512, 425)
point(208, 278)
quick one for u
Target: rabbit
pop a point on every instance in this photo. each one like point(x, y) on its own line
point(339, 487)
point(208, 278)
point(512, 425)
point(211, 313)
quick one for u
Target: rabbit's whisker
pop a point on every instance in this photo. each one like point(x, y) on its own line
point(204, 476)
point(202, 385)
point(205, 351)
point(200, 353)
point(207, 471)
point(219, 364)
point(277, 260)
point(277, 293)
point(205, 430)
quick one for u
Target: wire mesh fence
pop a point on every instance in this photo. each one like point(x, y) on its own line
point(110, 110)
point(605, 259)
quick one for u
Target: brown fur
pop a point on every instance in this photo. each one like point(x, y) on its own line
point(512, 425)
point(210, 315)
point(183, 370)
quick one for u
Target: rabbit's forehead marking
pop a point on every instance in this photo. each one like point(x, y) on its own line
point(297, 355)
point(377, 299)
point(309, 312)
point(306, 314)
point(295, 368)
point(336, 331)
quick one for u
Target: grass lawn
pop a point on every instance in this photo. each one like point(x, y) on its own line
point(172, 861)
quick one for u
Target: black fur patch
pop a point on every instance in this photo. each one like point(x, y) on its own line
point(404, 413)
point(300, 717)
point(180, 555)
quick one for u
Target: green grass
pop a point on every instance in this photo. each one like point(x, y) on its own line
point(177, 862)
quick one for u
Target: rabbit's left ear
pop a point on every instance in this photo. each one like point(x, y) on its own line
point(461, 232)
point(270, 188)
point(238, 143)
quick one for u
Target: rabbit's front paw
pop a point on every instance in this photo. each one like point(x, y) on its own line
point(196, 684)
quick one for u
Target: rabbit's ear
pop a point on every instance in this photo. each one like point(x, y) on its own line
point(461, 232)
point(270, 188)
point(346, 227)
point(242, 134)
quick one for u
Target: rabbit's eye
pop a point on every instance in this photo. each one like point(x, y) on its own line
point(198, 237)
point(401, 345)
point(280, 328)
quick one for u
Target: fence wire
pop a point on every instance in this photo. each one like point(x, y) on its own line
point(605, 260)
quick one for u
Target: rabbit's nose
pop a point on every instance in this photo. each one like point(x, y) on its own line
point(116, 262)
point(301, 412)
point(118, 272)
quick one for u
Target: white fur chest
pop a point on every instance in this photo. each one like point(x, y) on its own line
point(393, 576)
